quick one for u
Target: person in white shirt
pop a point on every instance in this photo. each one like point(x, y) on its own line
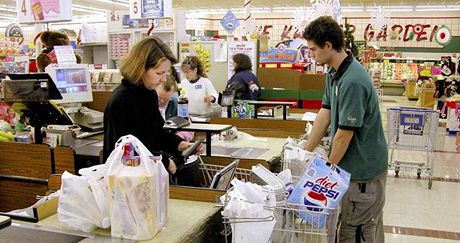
point(198, 89)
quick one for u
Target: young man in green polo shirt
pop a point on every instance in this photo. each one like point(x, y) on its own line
point(350, 107)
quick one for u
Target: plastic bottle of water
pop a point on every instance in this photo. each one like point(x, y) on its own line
point(182, 105)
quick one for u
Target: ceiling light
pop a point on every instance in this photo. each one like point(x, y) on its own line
point(436, 8)
point(124, 4)
point(352, 9)
point(81, 7)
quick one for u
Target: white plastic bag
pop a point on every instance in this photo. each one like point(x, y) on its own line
point(77, 204)
point(138, 201)
point(95, 176)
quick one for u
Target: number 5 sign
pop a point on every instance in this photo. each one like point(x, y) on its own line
point(149, 9)
point(135, 9)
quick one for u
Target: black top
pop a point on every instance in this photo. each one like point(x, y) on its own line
point(240, 83)
point(134, 110)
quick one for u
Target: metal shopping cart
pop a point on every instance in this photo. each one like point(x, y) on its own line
point(412, 129)
point(291, 225)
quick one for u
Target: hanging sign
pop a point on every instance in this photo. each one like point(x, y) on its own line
point(230, 22)
point(14, 30)
point(150, 9)
point(34, 11)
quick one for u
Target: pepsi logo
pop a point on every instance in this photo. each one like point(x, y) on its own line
point(318, 201)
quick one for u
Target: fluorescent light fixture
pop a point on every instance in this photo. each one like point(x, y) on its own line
point(284, 10)
point(352, 9)
point(96, 10)
point(392, 8)
point(124, 4)
point(433, 8)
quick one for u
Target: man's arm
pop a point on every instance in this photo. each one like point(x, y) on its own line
point(322, 122)
point(340, 144)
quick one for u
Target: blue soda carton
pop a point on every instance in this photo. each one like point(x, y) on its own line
point(321, 188)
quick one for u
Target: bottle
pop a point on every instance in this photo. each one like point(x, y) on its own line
point(182, 105)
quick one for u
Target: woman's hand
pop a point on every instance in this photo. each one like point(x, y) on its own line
point(185, 145)
point(209, 98)
point(172, 168)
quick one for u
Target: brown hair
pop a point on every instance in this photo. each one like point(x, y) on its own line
point(193, 62)
point(324, 29)
point(145, 54)
point(169, 84)
point(241, 62)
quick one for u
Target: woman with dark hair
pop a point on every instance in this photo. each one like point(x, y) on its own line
point(133, 106)
point(244, 82)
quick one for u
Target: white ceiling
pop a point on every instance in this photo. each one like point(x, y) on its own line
point(188, 4)
point(92, 7)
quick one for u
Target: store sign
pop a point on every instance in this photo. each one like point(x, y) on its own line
point(230, 22)
point(34, 11)
point(279, 55)
point(245, 47)
point(149, 9)
point(14, 30)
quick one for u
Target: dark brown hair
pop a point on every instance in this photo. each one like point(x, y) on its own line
point(192, 62)
point(241, 62)
point(325, 29)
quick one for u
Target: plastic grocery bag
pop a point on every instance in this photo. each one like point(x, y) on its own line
point(321, 188)
point(95, 176)
point(138, 194)
point(78, 206)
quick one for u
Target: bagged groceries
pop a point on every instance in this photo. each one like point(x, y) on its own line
point(79, 203)
point(129, 192)
point(138, 201)
point(321, 187)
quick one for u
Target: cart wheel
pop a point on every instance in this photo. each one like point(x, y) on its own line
point(418, 175)
point(396, 173)
point(430, 183)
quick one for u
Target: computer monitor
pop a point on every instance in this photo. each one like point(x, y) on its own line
point(73, 81)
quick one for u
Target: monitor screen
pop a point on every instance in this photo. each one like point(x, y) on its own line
point(72, 81)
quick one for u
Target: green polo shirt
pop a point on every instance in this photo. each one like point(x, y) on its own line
point(351, 97)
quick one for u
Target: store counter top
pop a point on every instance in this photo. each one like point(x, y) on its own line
point(187, 221)
point(247, 146)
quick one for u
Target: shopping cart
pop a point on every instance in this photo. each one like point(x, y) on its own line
point(290, 226)
point(412, 129)
point(210, 170)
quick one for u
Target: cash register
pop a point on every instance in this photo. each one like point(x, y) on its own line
point(73, 82)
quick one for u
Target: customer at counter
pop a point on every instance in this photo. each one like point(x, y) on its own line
point(133, 105)
point(198, 89)
point(244, 82)
point(167, 104)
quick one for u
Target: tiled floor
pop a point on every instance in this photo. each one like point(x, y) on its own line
point(412, 212)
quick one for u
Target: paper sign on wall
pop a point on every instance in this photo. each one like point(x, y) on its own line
point(149, 9)
point(33, 11)
point(245, 47)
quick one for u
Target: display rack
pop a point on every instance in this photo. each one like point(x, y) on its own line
point(123, 33)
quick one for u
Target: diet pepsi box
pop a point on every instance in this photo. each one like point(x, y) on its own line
point(321, 187)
